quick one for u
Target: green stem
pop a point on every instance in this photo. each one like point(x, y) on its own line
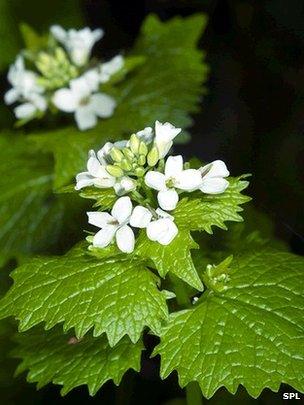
point(180, 292)
point(194, 394)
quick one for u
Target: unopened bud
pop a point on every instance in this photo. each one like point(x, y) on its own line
point(115, 171)
point(125, 165)
point(128, 153)
point(153, 156)
point(116, 154)
point(134, 143)
point(141, 160)
point(143, 149)
point(139, 172)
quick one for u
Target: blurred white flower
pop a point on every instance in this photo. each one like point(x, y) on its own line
point(85, 105)
point(78, 43)
point(25, 89)
point(96, 174)
point(162, 230)
point(212, 177)
point(114, 226)
point(174, 177)
point(109, 68)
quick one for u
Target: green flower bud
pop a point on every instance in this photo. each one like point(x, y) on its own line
point(153, 156)
point(141, 160)
point(116, 154)
point(139, 172)
point(126, 165)
point(128, 153)
point(134, 143)
point(143, 149)
point(115, 171)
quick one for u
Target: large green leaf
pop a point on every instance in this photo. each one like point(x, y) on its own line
point(167, 87)
point(114, 295)
point(174, 258)
point(202, 211)
point(62, 359)
point(251, 334)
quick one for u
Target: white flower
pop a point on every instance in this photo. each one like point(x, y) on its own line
point(174, 177)
point(163, 230)
point(212, 175)
point(85, 105)
point(114, 225)
point(95, 176)
point(164, 135)
point(26, 89)
point(78, 43)
point(109, 68)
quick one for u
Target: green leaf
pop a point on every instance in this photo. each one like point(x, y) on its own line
point(201, 212)
point(173, 66)
point(32, 40)
point(174, 258)
point(251, 334)
point(29, 212)
point(64, 360)
point(114, 295)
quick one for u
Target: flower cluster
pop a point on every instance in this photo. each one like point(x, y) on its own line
point(138, 167)
point(62, 77)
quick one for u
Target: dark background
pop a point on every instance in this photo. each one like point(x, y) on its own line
point(252, 117)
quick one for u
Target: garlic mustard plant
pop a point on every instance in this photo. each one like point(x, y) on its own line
point(138, 167)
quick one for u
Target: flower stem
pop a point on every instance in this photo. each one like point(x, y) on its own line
point(194, 394)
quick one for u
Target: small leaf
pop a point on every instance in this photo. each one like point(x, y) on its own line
point(201, 212)
point(65, 360)
point(251, 334)
point(174, 258)
point(114, 295)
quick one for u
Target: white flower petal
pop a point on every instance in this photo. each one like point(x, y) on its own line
point(65, 100)
point(25, 110)
point(122, 209)
point(124, 185)
point(111, 67)
point(58, 33)
point(104, 237)
point(162, 231)
point(188, 180)
point(104, 152)
point(156, 180)
point(11, 96)
point(174, 166)
point(93, 165)
point(100, 219)
point(103, 105)
point(145, 135)
point(80, 88)
point(85, 118)
point(84, 179)
point(140, 217)
point(166, 131)
point(217, 168)
point(167, 199)
point(92, 79)
point(125, 239)
point(214, 185)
